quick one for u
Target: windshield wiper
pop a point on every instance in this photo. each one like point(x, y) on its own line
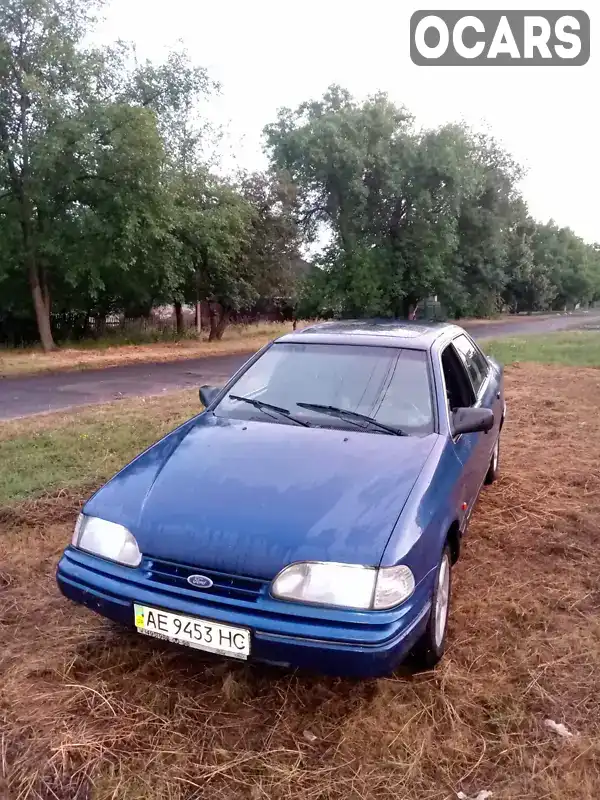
point(267, 407)
point(352, 416)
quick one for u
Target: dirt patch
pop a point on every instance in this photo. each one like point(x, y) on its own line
point(90, 711)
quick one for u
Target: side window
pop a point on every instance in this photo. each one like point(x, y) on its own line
point(459, 392)
point(473, 359)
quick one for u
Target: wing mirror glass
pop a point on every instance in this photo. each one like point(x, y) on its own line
point(208, 394)
point(472, 420)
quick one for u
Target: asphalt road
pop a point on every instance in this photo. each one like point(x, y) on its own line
point(36, 394)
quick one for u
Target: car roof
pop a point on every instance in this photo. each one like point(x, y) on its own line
point(375, 332)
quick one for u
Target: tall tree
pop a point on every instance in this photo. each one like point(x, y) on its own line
point(388, 195)
point(83, 159)
point(412, 213)
point(484, 225)
point(273, 250)
point(41, 75)
point(213, 227)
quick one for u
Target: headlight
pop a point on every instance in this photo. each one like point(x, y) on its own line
point(106, 539)
point(346, 585)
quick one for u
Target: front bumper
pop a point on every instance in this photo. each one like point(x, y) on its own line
point(330, 641)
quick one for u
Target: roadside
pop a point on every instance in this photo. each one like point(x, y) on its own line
point(92, 710)
point(577, 348)
point(38, 394)
point(65, 450)
point(237, 339)
point(87, 355)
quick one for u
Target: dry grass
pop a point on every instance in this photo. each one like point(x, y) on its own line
point(237, 339)
point(89, 711)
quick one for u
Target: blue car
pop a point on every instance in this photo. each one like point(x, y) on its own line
point(310, 516)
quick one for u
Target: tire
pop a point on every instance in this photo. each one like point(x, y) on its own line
point(492, 472)
point(429, 650)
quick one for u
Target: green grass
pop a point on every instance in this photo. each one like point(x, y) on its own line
point(81, 449)
point(574, 348)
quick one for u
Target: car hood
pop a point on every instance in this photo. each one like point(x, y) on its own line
point(251, 497)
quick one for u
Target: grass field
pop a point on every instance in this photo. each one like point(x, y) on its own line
point(575, 348)
point(68, 449)
point(87, 355)
point(91, 712)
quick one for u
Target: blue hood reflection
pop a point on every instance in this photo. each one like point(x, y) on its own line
point(250, 497)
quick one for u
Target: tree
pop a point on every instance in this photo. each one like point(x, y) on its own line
point(273, 250)
point(83, 161)
point(411, 214)
point(388, 195)
point(485, 222)
point(41, 70)
point(213, 228)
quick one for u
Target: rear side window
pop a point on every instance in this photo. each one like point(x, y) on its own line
point(473, 359)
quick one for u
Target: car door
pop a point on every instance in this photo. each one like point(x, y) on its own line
point(487, 395)
point(467, 446)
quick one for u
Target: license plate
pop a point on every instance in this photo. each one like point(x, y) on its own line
point(201, 634)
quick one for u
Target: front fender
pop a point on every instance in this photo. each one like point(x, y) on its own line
point(432, 508)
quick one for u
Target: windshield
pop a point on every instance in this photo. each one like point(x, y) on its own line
point(386, 383)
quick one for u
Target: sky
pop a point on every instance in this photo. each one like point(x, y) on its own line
point(268, 54)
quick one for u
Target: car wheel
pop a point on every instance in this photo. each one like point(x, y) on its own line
point(492, 472)
point(430, 648)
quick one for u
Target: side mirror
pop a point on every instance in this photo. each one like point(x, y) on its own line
point(472, 420)
point(208, 394)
